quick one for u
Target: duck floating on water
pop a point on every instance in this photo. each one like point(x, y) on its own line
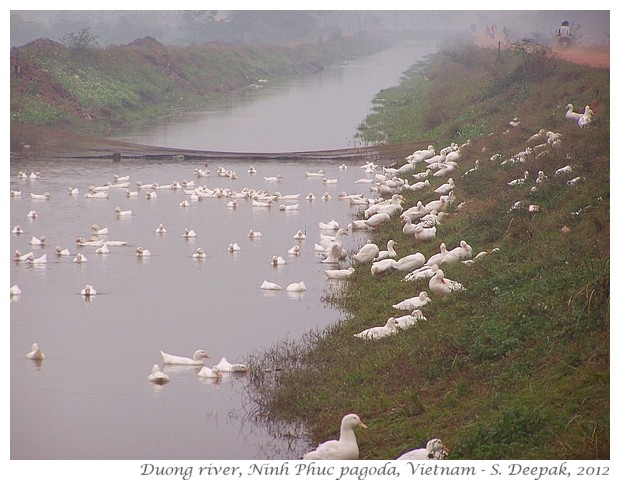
point(196, 358)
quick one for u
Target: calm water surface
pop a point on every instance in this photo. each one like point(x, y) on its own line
point(90, 398)
point(311, 112)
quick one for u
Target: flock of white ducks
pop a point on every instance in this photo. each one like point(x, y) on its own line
point(420, 222)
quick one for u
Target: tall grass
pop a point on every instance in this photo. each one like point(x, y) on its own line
point(517, 365)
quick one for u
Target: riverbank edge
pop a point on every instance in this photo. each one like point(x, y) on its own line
point(61, 98)
point(505, 399)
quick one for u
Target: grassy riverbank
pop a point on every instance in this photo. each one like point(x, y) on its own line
point(517, 365)
point(96, 90)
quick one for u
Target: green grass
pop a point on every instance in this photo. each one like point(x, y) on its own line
point(517, 365)
point(126, 84)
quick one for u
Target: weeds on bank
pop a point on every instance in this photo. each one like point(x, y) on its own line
point(517, 365)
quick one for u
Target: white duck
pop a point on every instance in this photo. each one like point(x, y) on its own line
point(161, 229)
point(277, 260)
point(389, 253)
point(586, 117)
point(299, 235)
point(122, 213)
point(41, 196)
point(367, 253)
point(358, 225)
point(114, 243)
point(382, 266)
point(19, 257)
point(103, 249)
point(288, 208)
point(445, 188)
point(459, 254)
point(206, 372)
point(296, 287)
point(410, 262)
point(439, 285)
point(38, 241)
point(258, 203)
point(35, 353)
point(188, 233)
point(17, 230)
point(572, 115)
point(38, 261)
point(233, 247)
point(15, 291)
point(378, 220)
point(270, 286)
point(340, 273)
point(345, 448)
point(413, 302)
point(196, 359)
point(424, 234)
point(102, 194)
point(157, 376)
point(426, 271)
point(331, 225)
point(142, 252)
point(93, 242)
point(435, 450)
point(253, 234)
point(335, 250)
point(438, 257)
point(408, 227)
point(277, 178)
point(294, 251)
point(79, 258)
point(100, 231)
point(408, 321)
point(199, 253)
point(32, 214)
point(415, 212)
point(88, 291)
point(379, 332)
point(225, 366)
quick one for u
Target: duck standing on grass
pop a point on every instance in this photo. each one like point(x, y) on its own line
point(345, 448)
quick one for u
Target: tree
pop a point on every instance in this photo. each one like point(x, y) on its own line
point(82, 43)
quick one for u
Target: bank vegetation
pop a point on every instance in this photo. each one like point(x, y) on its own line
point(516, 366)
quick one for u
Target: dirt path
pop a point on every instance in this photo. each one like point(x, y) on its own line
point(597, 57)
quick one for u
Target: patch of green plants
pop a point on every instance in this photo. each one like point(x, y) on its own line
point(517, 365)
point(118, 85)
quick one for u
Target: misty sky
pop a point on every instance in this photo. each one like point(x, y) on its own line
point(171, 27)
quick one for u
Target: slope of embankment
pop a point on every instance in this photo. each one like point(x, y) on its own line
point(516, 366)
point(94, 91)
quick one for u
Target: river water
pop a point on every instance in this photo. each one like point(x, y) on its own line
point(90, 397)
